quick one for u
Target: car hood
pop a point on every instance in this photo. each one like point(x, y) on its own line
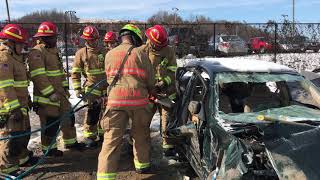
point(293, 148)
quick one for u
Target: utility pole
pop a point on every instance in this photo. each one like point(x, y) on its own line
point(8, 12)
point(70, 14)
point(293, 17)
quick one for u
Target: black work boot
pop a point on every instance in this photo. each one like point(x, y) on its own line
point(90, 143)
point(75, 146)
point(31, 161)
point(53, 153)
point(169, 152)
point(143, 170)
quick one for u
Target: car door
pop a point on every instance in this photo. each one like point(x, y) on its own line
point(192, 115)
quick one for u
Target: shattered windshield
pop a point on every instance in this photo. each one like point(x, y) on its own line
point(248, 96)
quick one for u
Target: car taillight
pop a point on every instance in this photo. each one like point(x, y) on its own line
point(225, 44)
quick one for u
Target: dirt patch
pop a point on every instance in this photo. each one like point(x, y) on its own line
point(83, 165)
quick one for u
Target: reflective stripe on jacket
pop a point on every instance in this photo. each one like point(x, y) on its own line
point(165, 64)
point(88, 62)
point(137, 78)
point(8, 95)
point(47, 74)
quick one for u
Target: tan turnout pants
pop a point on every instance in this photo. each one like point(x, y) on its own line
point(114, 124)
point(49, 114)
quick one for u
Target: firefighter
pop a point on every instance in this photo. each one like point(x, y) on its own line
point(128, 93)
point(14, 100)
point(89, 61)
point(164, 62)
point(110, 40)
point(51, 91)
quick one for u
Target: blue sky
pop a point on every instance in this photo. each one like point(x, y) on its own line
point(240, 10)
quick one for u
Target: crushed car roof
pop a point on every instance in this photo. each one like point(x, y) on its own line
point(217, 65)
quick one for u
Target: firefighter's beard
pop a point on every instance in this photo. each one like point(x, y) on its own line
point(50, 41)
point(18, 47)
point(93, 43)
point(15, 47)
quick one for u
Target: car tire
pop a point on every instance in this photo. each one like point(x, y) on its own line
point(316, 50)
point(316, 70)
point(262, 50)
point(218, 53)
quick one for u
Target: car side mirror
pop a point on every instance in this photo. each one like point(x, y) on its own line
point(194, 107)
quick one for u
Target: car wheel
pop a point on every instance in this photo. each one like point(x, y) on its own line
point(218, 53)
point(316, 50)
point(316, 70)
point(262, 50)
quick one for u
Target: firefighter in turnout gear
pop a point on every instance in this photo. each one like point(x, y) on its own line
point(164, 62)
point(89, 61)
point(51, 90)
point(14, 100)
point(110, 41)
point(128, 97)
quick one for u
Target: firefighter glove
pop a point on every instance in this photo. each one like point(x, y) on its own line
point(79, 94)
point(54, 97)
point(15, 115)
point(160, 86)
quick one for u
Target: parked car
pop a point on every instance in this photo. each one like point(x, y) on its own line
point(288, 47)
point(71, 50)
point(226, 45)
point(246, 119)
point(295, 44)
point(187, 40)
point(259, 45)
point(313, 45)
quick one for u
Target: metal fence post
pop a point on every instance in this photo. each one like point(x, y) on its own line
point(66, 50)
point(214, 38)
point(275, 42)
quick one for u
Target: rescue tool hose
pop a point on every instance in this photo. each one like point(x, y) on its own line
point(74, 110)
point(61, 119)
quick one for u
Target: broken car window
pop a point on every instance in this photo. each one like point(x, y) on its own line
point(257, 92)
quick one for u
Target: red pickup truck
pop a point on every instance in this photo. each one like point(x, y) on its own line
point(259, 45)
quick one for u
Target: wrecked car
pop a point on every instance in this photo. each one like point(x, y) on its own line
point(246, 119)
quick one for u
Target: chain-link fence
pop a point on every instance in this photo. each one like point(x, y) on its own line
point(296, 45)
